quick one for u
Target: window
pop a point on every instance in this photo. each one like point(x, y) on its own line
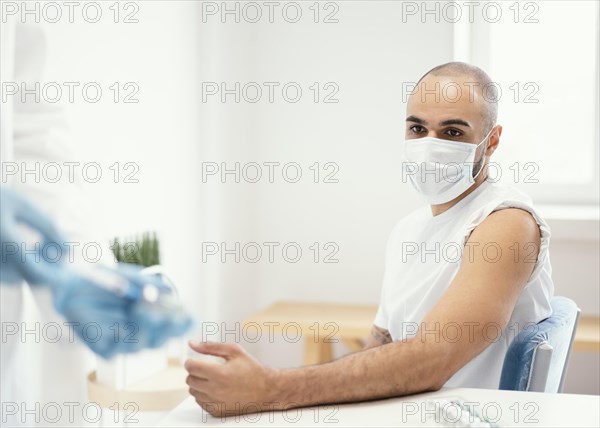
point(543, 57)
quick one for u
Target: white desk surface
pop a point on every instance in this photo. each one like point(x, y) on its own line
point(504, 408)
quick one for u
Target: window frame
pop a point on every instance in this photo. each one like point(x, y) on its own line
point(472, 44)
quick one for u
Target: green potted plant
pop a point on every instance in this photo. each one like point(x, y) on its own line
point(142, 250)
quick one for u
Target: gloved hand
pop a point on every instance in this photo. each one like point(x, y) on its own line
point(145, 314)
point(37, 266)
point(140, 314)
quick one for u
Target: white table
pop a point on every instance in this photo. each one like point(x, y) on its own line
point(505, 408)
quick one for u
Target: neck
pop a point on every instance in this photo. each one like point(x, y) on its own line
point(440, 208)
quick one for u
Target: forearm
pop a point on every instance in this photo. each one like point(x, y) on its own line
point(394, 369)
point(379, 336)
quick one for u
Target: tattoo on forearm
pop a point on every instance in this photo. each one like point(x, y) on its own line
point(381, 335)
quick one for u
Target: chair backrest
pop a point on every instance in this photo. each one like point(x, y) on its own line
point(537, 358)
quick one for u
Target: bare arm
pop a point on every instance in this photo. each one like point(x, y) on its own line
point(379, 336)
point(482, 292)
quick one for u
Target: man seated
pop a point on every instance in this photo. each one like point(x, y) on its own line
point(463, 276)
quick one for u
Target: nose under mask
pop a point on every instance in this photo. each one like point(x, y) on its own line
point(440, 170)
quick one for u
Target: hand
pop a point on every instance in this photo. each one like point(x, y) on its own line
point(240, 385)
point(16, 266)
point(110, 323)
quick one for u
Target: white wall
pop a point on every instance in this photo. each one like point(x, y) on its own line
point(369, 53)
point(160, 134)
point(368, 56)
point(576, 275)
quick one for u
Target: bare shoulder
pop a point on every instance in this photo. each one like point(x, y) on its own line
point(506, 244)
point(513, 224)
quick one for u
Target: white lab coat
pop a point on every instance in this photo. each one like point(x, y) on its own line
point(44, 373)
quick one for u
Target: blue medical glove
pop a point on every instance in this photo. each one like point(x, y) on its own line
point(114, 311)
point(141, 313)
point(37, 266)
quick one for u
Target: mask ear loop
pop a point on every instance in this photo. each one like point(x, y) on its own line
point(480, 163)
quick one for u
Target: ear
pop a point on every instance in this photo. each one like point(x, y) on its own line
point(494, 140)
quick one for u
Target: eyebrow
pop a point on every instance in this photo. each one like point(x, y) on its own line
point(444, 123)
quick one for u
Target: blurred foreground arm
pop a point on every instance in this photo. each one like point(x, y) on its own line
point(113, 310)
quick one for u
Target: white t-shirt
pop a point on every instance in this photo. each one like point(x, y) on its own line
point(423, 255)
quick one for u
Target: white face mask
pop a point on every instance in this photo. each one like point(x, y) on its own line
point(440, 170)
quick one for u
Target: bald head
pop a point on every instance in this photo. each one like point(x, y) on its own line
point(474, 80)
point(456, 102)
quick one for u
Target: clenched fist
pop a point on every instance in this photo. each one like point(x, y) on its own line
point(239, 385)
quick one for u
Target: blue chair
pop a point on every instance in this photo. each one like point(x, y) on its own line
point(537, 358)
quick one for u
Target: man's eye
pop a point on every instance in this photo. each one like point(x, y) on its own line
point(417, 129)
point(453, 133)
